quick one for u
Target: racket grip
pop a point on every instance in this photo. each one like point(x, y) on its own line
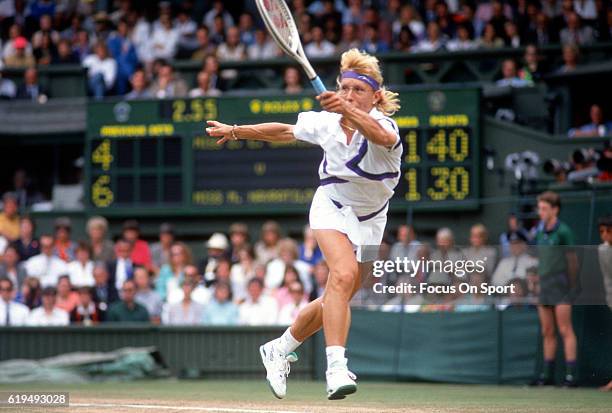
point(318, 85)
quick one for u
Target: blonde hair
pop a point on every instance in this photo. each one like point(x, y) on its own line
point(366, 64)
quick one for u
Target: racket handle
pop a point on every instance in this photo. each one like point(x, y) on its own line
point(318, 85)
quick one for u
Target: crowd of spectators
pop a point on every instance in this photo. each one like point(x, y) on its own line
point(52, 279)
point(129, 51)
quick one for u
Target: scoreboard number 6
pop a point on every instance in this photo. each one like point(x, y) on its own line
point(101, 193)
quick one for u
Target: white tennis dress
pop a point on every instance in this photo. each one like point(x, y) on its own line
point(356, 180)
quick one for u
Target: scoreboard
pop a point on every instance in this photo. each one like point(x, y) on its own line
point(154, 156)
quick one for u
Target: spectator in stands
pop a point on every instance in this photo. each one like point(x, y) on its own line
point(445, 251)
point(510, 76)
point(8, 90)
point(371, 41)
point(463, 40)
point(221, 310)
point(542, 34)
point(490, 39)
point(511, 35)
point(127, 310)
point(139, 86)
point(160, 251)
point(217, 248)
point(12, 313)
point(287, 256)
point(102, 27)
point(82, 47)
point(171, 275)
point(46, 266)
point(319, 275)
point(218, 9)
point(231, 51)
point(123, 51)
point(11, 268)
point(164, 39)
point(31, 89)
point(517, 264)
point(406, 246)
point(70, 34)
point(122, 268)
point(46, 51)
point(186, 311)
point(211, 66)
point(105, 292)
point(146, 296)
point(167, 84)
point(141, 254)
point(204, 45)
point(349, 39)
point(597, 126)
point(532, 70)
point(571, 55)
point(434, 40)
point(15, 32)
point(258, 309)
point(66, 298)
point(201, 293)
point(309, 251)
point(64, 248)
point(575, 33)
point(218, 30)
point(266, 249)
point(86, 312)
point(242, 271)
point(353, 13)
point(30, 293)
point(101, 247)
point(48, 314)
point(513, 225)
point(247, 29)
point(46, 29)
point(405, 40)
point(186, 28)
point(410, 18)
point(21, 57)
point(319, 46)
point(281, 294)
point(262, 47)
point(24, 190)
point(203, 86)
point(239, 238)
point(292, 83)
point(289, 312)
point(9, 217)
point(101, 71)
point(80, 269)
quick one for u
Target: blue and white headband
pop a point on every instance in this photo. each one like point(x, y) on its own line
point(350, 74)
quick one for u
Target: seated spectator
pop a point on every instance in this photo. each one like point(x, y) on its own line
point(258, 309)
point(490, 39)
point(282, 294)
point(575, 33)
point(101, 71)
point(372, 43)
point(408, 17)
point(46, 51)
point(70, 33)
point(247, 29)
point(171, 275)
point(64, 248)
point(81, 269)
point(81, 46)
point(291, 81)
point(570, 58)
point(266, 249)
point(434, 40)
point(104, 291)
point(319, 47)
point(31, 89)
point(242, 272)
point(217, 31)
point(477, 301)
point(9, 217)
point(9, 47)
point(221, 310)
point(101, 27)
point(287, 256)
point(48, 314)
point(164, 39)
point(21, 56)
point(139, 86)
point(186, 311)
point(406, 245)
point(205, 46)
point(542, 34)
point(122, 267)
point(146, 296)
point(12, 313)
point(186, 29)
point(167, 84)
point(262, 47)
point(11, 268)
point(510, 76)
point(533, 67)
point(349, 39)
point(479, 250)
point(141, 254)
point(289, 312)
point(101, 247)
point(517, 264)
point(231, 51)
point(66, 298)
point(218, 9)
point(513, 39)
point(127, 310)
point(24, 189)
point(8, 90)
point(320, 272)
point(405, 40)
point(200, 293)
point(86, 312)
point(30, 293)
point(445, 19)
point(203, 88)
point(309, 250)
point(122, 49)
point(239, 238)
point(597, 126)
point(513, 225)
point(46, 266)
point(217, 248)
point(444, 253)
point(211, 66)
point(160, 251)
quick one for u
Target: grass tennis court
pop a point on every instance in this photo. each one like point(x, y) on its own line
point(309, 396)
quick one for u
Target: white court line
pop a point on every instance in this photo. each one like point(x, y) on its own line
point(195, 408)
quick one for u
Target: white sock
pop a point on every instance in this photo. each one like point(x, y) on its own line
point(335, 356)
point(286, 343)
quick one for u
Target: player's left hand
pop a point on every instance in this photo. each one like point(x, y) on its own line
point(332, 102)
point(219, 130)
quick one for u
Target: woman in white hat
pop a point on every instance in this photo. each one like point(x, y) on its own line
point(359, 170)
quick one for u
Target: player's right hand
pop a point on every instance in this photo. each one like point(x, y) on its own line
point(219, 130)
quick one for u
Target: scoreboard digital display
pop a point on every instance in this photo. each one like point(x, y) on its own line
point(154, 156)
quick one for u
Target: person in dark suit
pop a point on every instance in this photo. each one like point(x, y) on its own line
point(30, 89)
point(122, 268)
point(104, 291)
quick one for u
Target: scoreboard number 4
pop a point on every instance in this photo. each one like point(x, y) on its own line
point(102, 155)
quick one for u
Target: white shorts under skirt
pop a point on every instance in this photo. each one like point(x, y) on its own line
point(365, 235)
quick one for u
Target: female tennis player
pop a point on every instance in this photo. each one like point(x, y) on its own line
point(359, 170)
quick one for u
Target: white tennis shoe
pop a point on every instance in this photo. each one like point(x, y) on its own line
point(340, 382)
point(277, 368)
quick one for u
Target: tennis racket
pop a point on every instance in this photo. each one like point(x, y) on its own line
point(281, 26)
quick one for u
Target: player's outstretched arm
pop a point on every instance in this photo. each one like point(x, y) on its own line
point(270, 132)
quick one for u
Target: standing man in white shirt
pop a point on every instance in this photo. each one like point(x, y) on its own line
point(46, 266)
point(258, 309)
point(12, 313)
point(48, 314)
